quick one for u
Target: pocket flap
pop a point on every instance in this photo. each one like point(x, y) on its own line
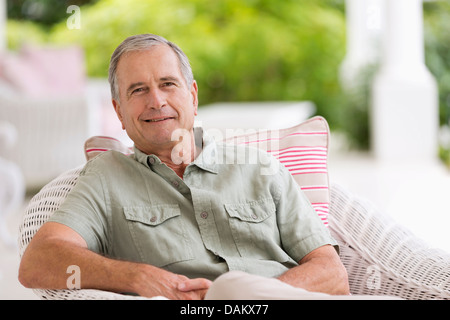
point(253, 211)
point(152, 215)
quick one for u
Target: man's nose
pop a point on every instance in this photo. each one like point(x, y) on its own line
point(157, 99)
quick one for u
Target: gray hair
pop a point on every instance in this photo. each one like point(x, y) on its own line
point(144, 42)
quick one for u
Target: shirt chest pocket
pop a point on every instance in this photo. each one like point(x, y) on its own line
point(254, 228)
point(159, 234)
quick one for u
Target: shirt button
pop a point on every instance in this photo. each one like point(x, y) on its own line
point(153, 219)
point(175, 184)
point(204, 214)
point(151, 160)
point(254, 216)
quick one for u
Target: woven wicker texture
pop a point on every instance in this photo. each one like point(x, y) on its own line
point(381, 257)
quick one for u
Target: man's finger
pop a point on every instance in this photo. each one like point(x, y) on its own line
point(194, 284)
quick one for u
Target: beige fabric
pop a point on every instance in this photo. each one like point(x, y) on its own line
point(237, 285)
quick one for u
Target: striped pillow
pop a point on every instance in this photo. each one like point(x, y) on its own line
point(98, 144)
point(303, 150)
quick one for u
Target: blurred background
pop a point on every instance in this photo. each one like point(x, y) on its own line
point(377, 70)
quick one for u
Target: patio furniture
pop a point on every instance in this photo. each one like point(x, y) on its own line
point(12, 186)
point(43, 95)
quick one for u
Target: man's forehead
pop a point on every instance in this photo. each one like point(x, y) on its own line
point(152, 52)
point(159, 56)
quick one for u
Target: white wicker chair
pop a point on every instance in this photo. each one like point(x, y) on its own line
point(381, 257)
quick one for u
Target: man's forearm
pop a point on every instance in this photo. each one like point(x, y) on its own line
point(45, 265)
point(320, 272)
point(56, 247)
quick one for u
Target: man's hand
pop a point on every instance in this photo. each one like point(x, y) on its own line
point(151, 281)
point(198, 286)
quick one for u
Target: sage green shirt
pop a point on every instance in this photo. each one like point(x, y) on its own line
point(236, 208)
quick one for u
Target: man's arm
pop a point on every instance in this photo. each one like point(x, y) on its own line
point(321, 270)
point(55, 247)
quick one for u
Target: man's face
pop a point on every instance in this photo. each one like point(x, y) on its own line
point(154, 97)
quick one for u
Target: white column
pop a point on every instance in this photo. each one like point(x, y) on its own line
point(364, 21)
point(405, 97)
point(3, 19)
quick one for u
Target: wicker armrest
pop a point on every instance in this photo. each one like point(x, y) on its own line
point(87, 294)
point(381, 256)
point(43, 204)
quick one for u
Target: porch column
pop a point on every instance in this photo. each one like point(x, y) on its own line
point(405, 97)
point(3, 19)
point(364, 26)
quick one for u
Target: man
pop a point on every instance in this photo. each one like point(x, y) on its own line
point(179, 213)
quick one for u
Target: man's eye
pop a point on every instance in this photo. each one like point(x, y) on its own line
point(168, 84)
point(137, 90)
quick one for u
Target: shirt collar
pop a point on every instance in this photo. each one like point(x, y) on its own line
point(206, 160)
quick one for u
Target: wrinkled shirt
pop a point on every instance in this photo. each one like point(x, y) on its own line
point(236, 208)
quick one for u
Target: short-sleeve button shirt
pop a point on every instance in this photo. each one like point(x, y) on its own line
point(236, 208)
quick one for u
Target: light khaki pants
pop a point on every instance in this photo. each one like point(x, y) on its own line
point(237, 285)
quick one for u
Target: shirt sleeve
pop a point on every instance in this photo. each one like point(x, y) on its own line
point(301, 229)
point(84, 211)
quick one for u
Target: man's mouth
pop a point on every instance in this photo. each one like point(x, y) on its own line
point(159, 119)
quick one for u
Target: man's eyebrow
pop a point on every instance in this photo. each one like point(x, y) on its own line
point(169, 78)
point(132, 86)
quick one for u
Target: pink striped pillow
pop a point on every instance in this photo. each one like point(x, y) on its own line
point(303, 150)
point(98, 144)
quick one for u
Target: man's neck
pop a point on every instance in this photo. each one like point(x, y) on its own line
point(178, 156)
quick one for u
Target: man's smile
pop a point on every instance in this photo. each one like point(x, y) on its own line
point(159, 119)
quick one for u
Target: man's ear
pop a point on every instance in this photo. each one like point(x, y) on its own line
point(116, 105)
point(194, 93)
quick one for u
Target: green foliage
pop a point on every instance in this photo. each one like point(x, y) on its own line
point(437, 41)
point(239, 50)
point(45, 12)
point(24, 32)
point(444, 155)
point(354, 109)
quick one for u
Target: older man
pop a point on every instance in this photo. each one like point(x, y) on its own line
point(180, 212)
